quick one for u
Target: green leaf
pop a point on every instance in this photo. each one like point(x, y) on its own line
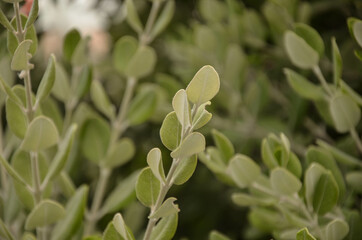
point(45, 213)
point(337, 229)
point(142, 62)
point(284, 182)
point(170, 131)
point(4, 232)
point(121, 227)
point(215, 235)
point(184, 170)
point(21, 57)
point(121, 196)
point(349, 91)
point(224, 145)
point(33, 14)
point(325, 159)
point(164, 19)
point(355, 27)
point(202, 116)
point(147, 187)
point(355, 225)
point(111, 233)
point(101, 100)
point(120, 153)
point(80, 56)
point(132, 17)
point(5, 22)
point(9, 91)
point(192, 144)
point(75, 210)
point(71, 40)
point(311, 178)
point(246, 200)
point(10, 170)
point(61, 89)
point(167, 208)
point(47, 82)
point(311, 36)
point(354, 179)
point(95, 137)
point(182, 109)
point(62, 154)
point(16, 118)
point(304, 234)
point(204, 85)
point(243, 170)
point(154, 161)
point(300, 53)
point(165, 229)
point(325, 194)
point(85, 81)
point(142, 107)
point(302, 86)
point(345, 113)
point(124, 50)
point(41, 134)
point(337, 62)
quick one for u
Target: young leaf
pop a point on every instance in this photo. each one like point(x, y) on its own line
point(337, 62)
point(164, 19)
point(16, 118)
point(182, 109)
point(302, 86)
point(154, 161)
point(95, 137)
point(41, 134)
point(345, 113)
point(204, 85)
point(167, 208)
point(71, 40)
point(337, 229)
point(223, 144)
point(325, 194)
point(300, 53)
point(85, 81)
point(124, 50)
point(33, 14)
point(47, 82)
point(284, 182)
point(121, 196)
point(132, 17)
point(243, 170)
point(142, 107)
point(142, 62)
point(61, 89)
point(147, 187)
point(304, 234)
point(75, 209)
point(311, 36)
point(193, 144)
point(111, 233)
point(101, 99)
point(170, 131)
point(184, 170)
point(166, 228)
point(121, 227)
point(120, 153)
point(21, 57)
point(45, 213)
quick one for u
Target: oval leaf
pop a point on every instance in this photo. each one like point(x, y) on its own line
point(325, 194)
point(284, 182)
point(120, 153)
point(21, 57)
point(184, 170)
point(45, 213)
point(311, 36)
point(124, 50)
point(166, 228)
point(101, 100)
point(181, 106)
point(170, 131)
point(224, 145)
point(142, 107)
point(337, 229)
point(142, 62)
point(154, 161)
point(47, 82)
point(193, 144)
point(147, 187)
point(167, 208)
point(243, 170)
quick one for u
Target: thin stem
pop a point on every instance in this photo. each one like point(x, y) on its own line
point(145, 38)
point(356, 139)
point(317, 71)
point(98, 197)
point(19, 33)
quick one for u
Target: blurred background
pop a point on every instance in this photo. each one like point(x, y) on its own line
point(243, 40)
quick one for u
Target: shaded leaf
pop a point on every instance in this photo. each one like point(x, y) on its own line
point(71, 40)
point(120, 153)
point(45, 213)
point(47, 82)
point(243, 170)
point(223, 144)
point(170, 131)
point(311, 36)
point(142, 107)
point(124, 50)
point(164, 19)
point(147, 187)
point(101, 100)
point(132, 17)
point(33, 14)
point(185, 170)
point(337, 63)
point(142, 62)
point(325, 194)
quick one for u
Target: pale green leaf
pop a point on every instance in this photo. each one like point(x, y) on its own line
point(243, 170)
point(345, 113)
point(75, 210)
point(16, 118)
point(224, 145)
point(164, 19)
point(357, 31)
point(61, 89)
point(41, 134)
point(300, 53)
point(45, 213)
point(167, 208)
point(132, 17)
point(21, 57)
point(184, 170)
point(47, 82)
point(124, 50)
point(142, 107)
point(284, 182)
point(325, 194)
point(120, 153)
point(204, 85)
point(337, 229)
point(142, 62)
point(11, 171)
point(165, 228)
point(192, 144)
point(351, 92)
point(304, 234)
point(111, 233)
point(147, 187)
point(154, 161)
point(170, 131)
point(121, 227)
point(101, 100)
point(311, 36)
point(182, 109)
